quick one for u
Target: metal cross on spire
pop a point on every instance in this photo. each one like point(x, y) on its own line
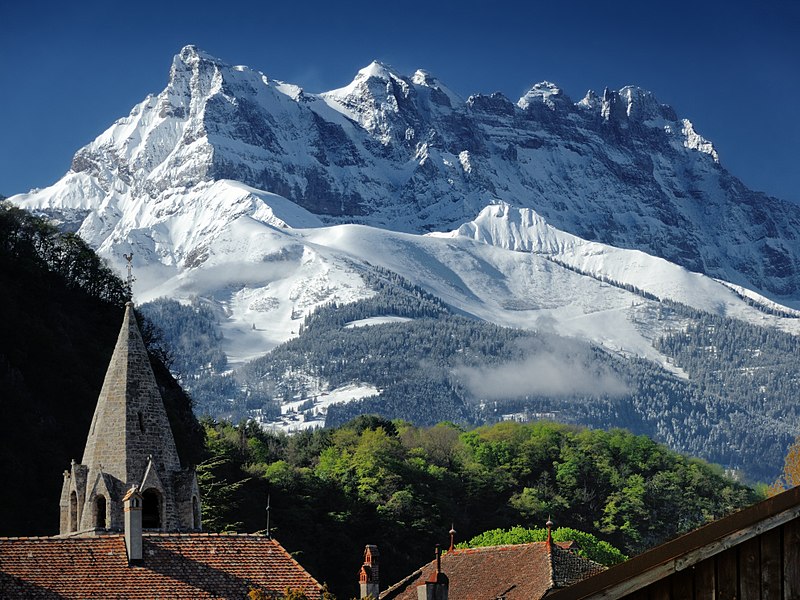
point(131, 278)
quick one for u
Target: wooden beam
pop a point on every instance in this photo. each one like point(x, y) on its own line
point(750, 570)
point(771, 565)
point(791, 559)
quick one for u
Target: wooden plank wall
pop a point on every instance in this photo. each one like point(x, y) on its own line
point(766, 567)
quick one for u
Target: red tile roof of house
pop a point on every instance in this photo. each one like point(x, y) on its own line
point(173, 566)
point(520, 571)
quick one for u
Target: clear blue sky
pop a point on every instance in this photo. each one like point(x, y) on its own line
point(69, 69)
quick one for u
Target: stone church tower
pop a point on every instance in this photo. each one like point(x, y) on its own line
point(130, 444)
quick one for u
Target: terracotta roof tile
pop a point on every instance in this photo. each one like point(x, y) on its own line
point(173, 566)
point(520, 571)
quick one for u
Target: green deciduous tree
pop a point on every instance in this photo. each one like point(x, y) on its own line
point(589, 546)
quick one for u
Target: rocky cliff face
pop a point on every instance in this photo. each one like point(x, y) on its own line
point(405, 153)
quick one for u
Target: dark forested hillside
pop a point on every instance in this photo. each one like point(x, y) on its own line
point(756, 368)
point(423, 369)
point(61, 309)
point(193, 333)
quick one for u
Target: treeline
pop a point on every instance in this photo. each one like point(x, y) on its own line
point(33, 241)
point(629, 287)
point(402, 487)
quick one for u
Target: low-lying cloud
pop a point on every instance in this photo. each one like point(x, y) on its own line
point(544, 373)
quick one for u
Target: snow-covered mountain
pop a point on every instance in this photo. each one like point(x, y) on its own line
point(536, 206)
point(407, 154)
point(579, 219)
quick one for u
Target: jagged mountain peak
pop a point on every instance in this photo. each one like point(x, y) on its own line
point(378, 70)
point(192, 54)
point(642, 105)
point(377, 81)
point(189, 62)
point(629, 104)
point(546, 93)
point(426, 78)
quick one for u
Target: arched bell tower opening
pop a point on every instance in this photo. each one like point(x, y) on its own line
point(73, 511)
point(100, 511)
point(151, 509)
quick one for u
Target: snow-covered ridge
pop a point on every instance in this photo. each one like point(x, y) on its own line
point(509, 267)
point(523, 230)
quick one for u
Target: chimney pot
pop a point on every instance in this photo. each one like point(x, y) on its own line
point(132, 503)
point(437, 586)
point(368, 576)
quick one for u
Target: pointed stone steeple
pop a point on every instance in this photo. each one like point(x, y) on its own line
point(130, 422)
point(130, 443)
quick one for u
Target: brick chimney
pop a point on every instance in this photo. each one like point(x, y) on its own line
point(368, 579)
point(436, 587)
point(132, 503)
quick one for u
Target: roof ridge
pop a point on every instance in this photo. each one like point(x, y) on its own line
point(551, 565)
point(487, 548)
point(400, 584)
point(28, 537)
point(216, 534)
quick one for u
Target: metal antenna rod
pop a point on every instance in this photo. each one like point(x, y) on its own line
point(268, 499)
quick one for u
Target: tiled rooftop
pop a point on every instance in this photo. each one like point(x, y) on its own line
point(173, 566)
point(515, 572)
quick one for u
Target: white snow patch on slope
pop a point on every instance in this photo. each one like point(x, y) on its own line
point(377, 321)
point(295, 418)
